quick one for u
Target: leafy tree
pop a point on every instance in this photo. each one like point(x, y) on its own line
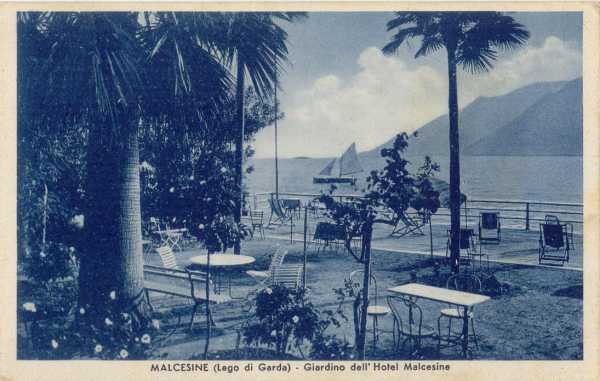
point(392, 188)
point(472, 40)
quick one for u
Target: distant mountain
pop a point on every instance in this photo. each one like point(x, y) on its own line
point(487, 116)
point(553, 126)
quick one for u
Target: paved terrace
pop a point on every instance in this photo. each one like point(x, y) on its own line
point(517, 246)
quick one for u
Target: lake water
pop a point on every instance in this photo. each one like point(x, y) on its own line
point(539, 178)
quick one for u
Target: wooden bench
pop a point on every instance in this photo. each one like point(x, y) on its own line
point(187, 284)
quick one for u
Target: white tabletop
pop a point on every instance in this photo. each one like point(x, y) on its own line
point(223, 260)
point(438, 294)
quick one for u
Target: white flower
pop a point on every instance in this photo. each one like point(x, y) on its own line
point(82, 311)
point(155, 324)
point(192, 177)
point(295, 319)
point(202, 182)
point(332, 355)
point(113, 295)
point(78, 221)
point(136, 339)
point(223, 169)
point(125, 316)
point(98, 348)
point(351, 356)
point(108, 322)
point(201, 227)
point(273, 333)
point(54, 344)
point(42, 254)
point(172, 189)
point(146, 339)
point(268, 291)
point(71, 249)
point(145, 166)
point(29, 306)
point(123, 353)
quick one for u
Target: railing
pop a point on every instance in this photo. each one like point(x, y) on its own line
point(513, 213)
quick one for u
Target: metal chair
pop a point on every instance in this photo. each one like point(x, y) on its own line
point(489, 221)
point(374, 309)
point(460, 282)
point(256, 222)
point(408, 322)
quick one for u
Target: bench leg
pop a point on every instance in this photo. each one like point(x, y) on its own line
point(193, 314)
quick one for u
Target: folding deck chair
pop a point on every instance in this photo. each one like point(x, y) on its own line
point(281, 217)
point(555, 243)
point(489, 221)
point(406, 225)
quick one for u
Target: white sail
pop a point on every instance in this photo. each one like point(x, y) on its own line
point(328, 168)
point(349, 161)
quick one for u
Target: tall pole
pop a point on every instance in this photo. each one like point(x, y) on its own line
point(276, 157)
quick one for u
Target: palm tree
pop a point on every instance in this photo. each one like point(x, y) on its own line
point(96, 74)
point(256, 45)
point(472, 40)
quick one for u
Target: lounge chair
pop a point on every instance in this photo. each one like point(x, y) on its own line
point(467, 244)
point(289, 276)
point(262, 277)
point(281, 217)
point(167, 257)
point(489, 221)
point(459, 282)
point(374, 310)
point(407, 225)
point(555, 243)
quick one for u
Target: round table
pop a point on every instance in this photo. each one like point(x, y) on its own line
point(222, 260)
point(222, 263)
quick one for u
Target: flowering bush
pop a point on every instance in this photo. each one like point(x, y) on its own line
point(81, 333)
point(329, 347)
point(283, 317)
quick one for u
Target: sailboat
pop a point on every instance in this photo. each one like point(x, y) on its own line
point(348, 165)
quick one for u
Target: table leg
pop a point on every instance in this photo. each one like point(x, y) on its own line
point(465, 332)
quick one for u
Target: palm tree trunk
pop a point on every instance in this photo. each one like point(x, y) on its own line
point(454, 161)
point(239, 143)
point(131, 262)
point(112, 259)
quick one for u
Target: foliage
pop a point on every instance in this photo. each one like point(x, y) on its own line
point(283, 317)
point(391, 191)
point(74, 333)
point(329, 347)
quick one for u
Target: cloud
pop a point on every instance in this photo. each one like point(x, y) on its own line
point(392, 94)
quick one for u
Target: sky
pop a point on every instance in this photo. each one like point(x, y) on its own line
point(339, 88)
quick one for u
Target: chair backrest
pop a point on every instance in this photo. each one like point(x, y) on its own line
point(551, 219)
point(277, 259)
point(489, 220)
point(356, 280)
point(553, 235)
point(464, 282)
point(198, 281)
point(289, 276)
point(276, 208)
point(167, 257)
point(256, 217)
point(407, 314)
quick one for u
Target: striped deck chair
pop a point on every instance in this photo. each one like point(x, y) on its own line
point(289, 276)
point(281, 217)
point(167, 257)
point(262, 277)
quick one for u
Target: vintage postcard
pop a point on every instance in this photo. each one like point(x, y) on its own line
point(303, 190)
